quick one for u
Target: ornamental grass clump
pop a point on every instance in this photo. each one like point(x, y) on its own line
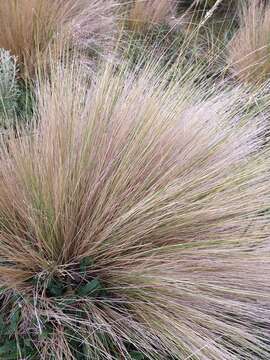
point(249, 49)
point(145, 14)
point(34, 30)
point(134, 223)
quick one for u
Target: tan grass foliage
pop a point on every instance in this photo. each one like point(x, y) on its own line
point(249, 50)
point(29, 27)
point(146, 13)
point(165, 192)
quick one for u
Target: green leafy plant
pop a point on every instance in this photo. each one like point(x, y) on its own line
point(9, 88)
point(70, 292)
point(17, 100)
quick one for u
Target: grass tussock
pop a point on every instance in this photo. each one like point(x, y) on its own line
point(249, 49)
point(131, 224)
point(30, 28)
point(145, 14)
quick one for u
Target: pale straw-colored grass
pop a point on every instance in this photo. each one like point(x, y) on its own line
point(162, 188)
point(249, 50)
point(30, 27)
point(146, 13)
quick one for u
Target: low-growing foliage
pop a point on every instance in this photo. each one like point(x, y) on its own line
point(16, 95)
point(9, 89)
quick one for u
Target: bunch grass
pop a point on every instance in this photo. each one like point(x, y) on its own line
point(35, 30)
point(249, 49)
point(134, 221)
